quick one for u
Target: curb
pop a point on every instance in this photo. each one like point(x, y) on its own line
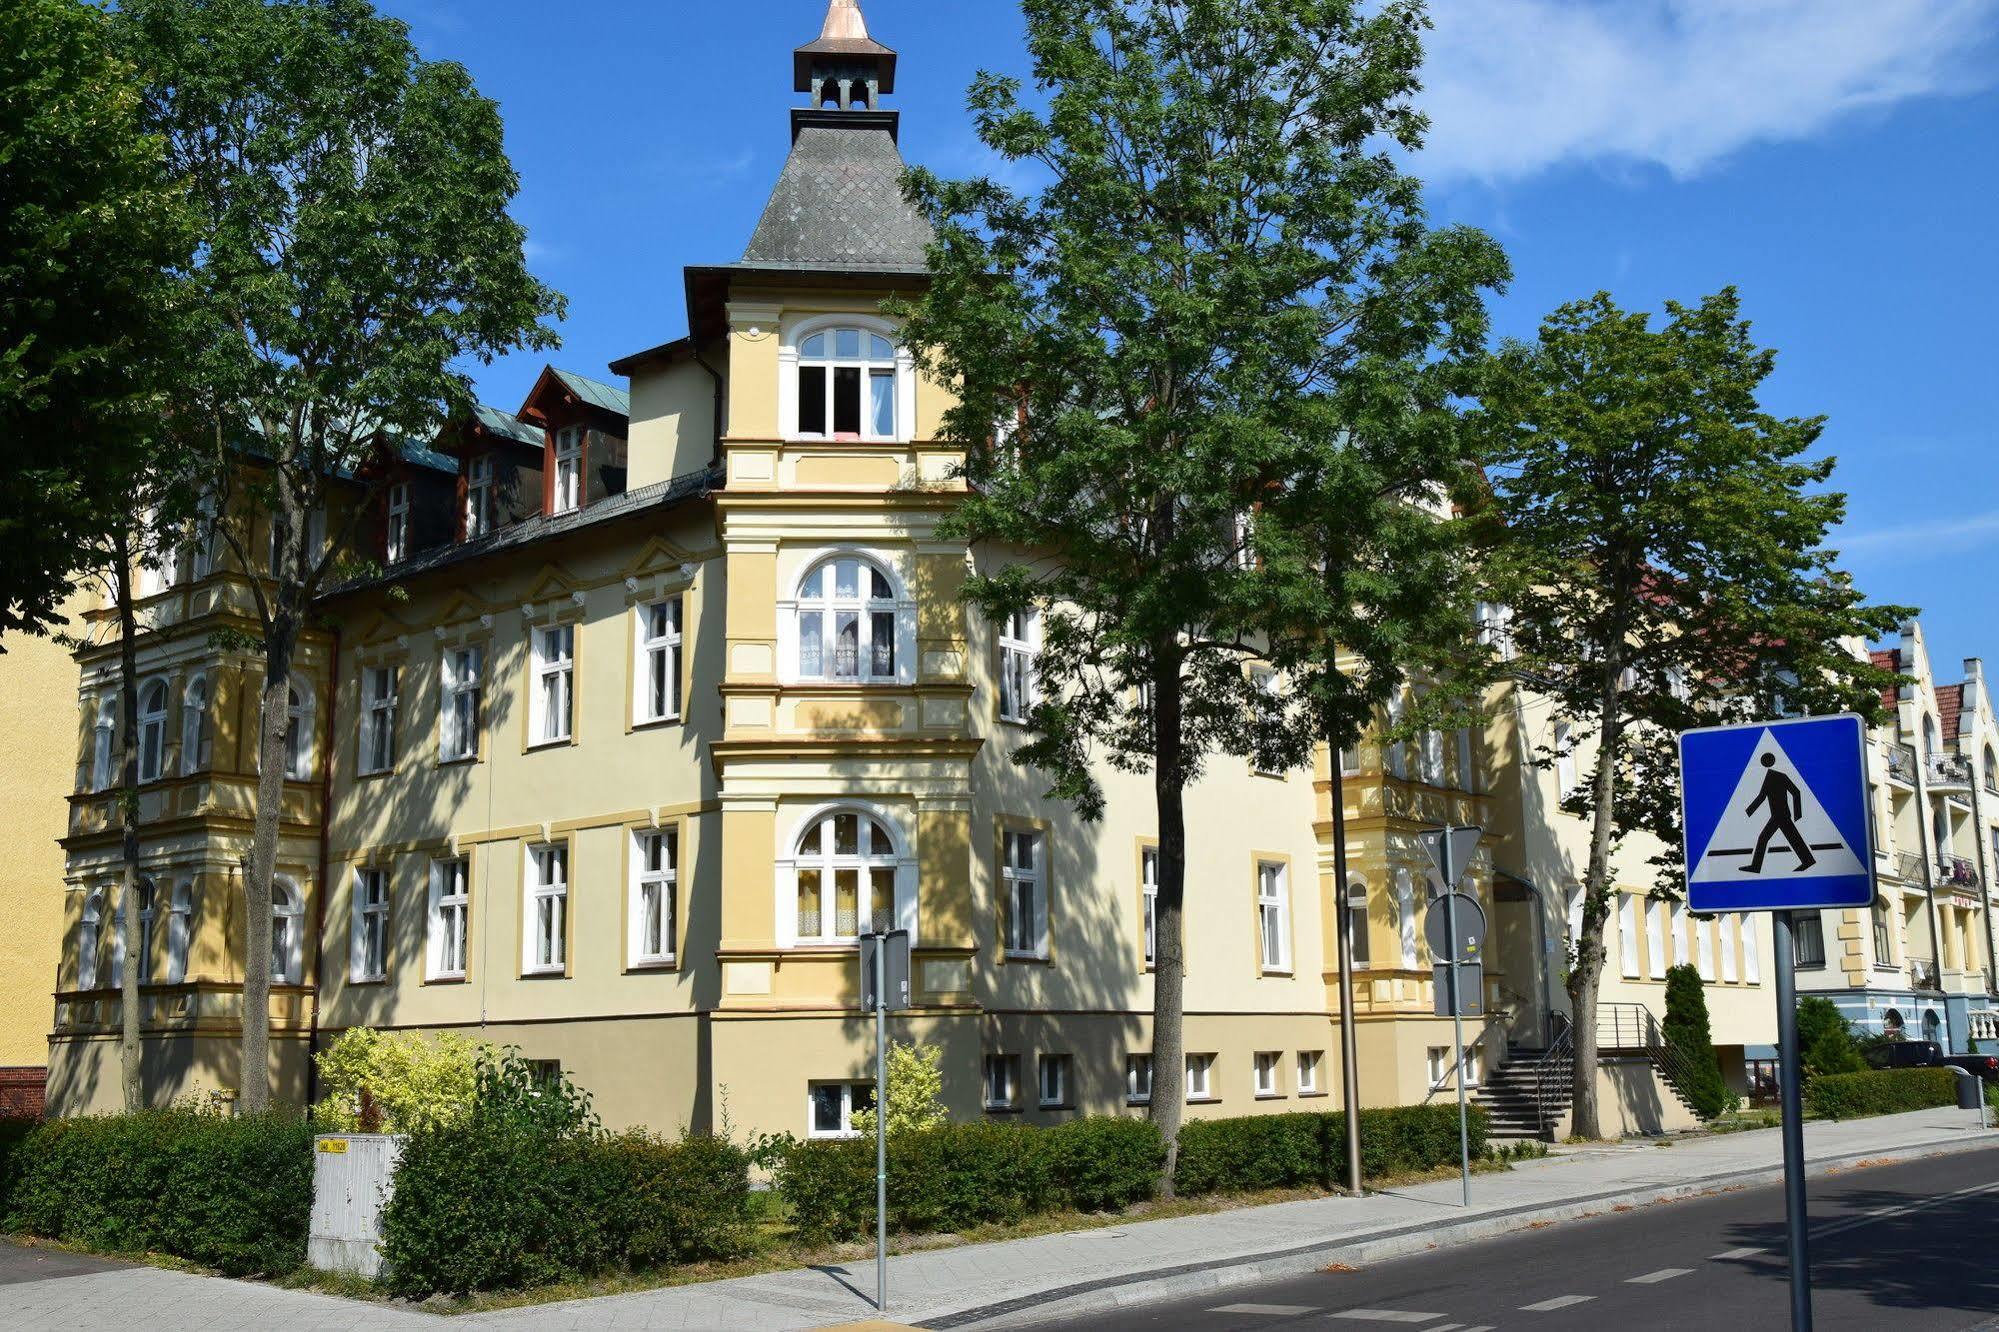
point(1403, 1241)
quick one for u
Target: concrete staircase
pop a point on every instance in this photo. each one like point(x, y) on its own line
point(1511, 1093)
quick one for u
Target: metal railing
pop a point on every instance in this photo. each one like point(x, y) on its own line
point(1551, 1072)
point(1956, 872)
point(1923, 975)
point(1908, 867)
point(1948, 770)
point(1902, 763)
point(1629, 1028)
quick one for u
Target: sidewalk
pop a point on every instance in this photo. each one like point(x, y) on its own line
point(1032, 1280)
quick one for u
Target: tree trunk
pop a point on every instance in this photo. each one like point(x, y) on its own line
point(1587, 977)
point(129, 1049)
point(1169, 970)
point(280, 639)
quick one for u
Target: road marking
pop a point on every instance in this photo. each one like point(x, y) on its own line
point(1274, 1310)
point(1654, 1278)
point(1883, 1213)
point(1386, 1316)
point(1733, 1254)
point(1559, 1302)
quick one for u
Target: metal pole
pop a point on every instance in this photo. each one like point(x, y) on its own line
point(1349, 1045)
point(1457, 1010)
point(1795, 1224)
point(881, 1125)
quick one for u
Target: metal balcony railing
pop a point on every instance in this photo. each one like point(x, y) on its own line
point(1902, 764)
point(1908, 867)
point(1947, 772)
point(1956, 872)
point(1923, 976)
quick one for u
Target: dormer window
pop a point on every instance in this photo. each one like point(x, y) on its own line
point(567, 492)
point(847, 385)
point(478, 498)
point(396, 539)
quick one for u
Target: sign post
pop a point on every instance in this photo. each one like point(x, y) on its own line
point(1777, 818)
point(1451, 850)
point(884, 984)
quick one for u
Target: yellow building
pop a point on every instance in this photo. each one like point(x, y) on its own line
point(667, 693)
point(35, 689)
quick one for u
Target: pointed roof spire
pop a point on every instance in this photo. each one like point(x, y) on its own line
point(844, 48)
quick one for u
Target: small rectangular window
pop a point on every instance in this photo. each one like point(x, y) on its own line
point(1266, 1065)
point(1002, 1081)
point(547, 909)
point(1357, 924)
point(1200, 1070)
point(479, 506)
point(566, 493)
point(1025, 881)
point(450, 918)
point(1808, 939)
point(1138, 1079)
point(370, 961)
point(812, 400)
point(1728, 948)
point(832, 1105)
point(659, 661)
point(378, 718)
point(396, 539)
point(1308, 1071)
point(654, 905)
point(459, 724)
point(1054, 1081)
point(1883, 949)
point(554, 692)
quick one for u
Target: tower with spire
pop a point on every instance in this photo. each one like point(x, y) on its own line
point(845, 64)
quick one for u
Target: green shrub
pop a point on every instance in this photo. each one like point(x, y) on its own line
point(915, 1091)
point(1825, 1041)
point(1104, 1163)
point(677, 1203)
point(411, 1081)
point(957, 1176)
point(13, 1132)
point(828, 1185)
point(1883, 1091)
point(231, 1194)
point(1309, 1150)
point(1687, 1031)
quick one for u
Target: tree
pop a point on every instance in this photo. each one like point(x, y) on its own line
point(91, 230)
point(915, 1091)
point(404, 1081)
point(1178, 326)
point(1825, 1040)
point(355, 253)
point(1686, 1030)
point(1666, 561)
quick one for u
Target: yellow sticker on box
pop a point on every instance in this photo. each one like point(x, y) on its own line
point(333, 1146)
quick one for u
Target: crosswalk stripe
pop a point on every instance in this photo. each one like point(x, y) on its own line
point(1734, 1254)
point(1559, 1302)
point(1386, 1316)
point(1273, 1310)
point(1654, 1278)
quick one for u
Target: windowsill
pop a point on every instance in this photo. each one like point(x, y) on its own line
point(353, 981)
point(1270, 1096)
point(447, 978)
point(1204, 1100)
point(1138, 1100)
point(1056, 1105)
point(1031, 959)
point(557, 743)
point(1886, 969)
point(652, 964)
point(1312, 1095)
point(1273, 776)
point(546, 973)
point(849, 1135)
point(1277, 973)
point(374, 774)
point(1013, 721)
point(654, 723)
point(843, 439)
point(458, 762)
point(1003, 1110)
point(1809, 966)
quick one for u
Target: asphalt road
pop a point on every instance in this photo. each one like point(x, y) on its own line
point(1906, 1246)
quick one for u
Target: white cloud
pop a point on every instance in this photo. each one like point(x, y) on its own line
point(1514, 87)
point(1931, 537)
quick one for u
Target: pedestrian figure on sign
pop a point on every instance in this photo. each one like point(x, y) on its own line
point(1781, 797)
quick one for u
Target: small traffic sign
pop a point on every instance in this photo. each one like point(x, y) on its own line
point(1461, 845)
point(1470, 992)
point(1469, 917)
point(896, 944)
point(1776, 816)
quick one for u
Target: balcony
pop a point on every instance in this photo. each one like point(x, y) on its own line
point(1957, 872)
point(1947, 772)
point(1908, 867)
point(1902, 764)
point(1923, 975)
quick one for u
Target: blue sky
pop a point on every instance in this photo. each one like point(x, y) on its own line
point(1834, 159)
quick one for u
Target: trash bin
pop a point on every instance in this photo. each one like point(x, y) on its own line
point(1970, 1090)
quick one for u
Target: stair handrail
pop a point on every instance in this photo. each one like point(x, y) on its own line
point(1550, 1068)
point(1633, 1027)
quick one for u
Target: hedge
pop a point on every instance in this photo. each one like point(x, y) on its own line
point(1884, 1091)
point(956, 1176)
point(484, 1205)
point(231, 1194)
point(1309, 1150)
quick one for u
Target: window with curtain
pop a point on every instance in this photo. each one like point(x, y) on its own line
point(1020, 644)
point(396, 534)
point(1024, 877)
point(1273, 916)
point(152, 731)
point(89, 941)
point(659, 661)
point(287, 934)
point(547, 909)
point(180, 912)
point(847, 385)
point(378, 718)
point(197, 733)
point(848, 620)
point(450, 919)
point(654, 904)
point(464, 683)
point(1148, 872)
point(481, 514)
point(845, 867)
point(566, 493)
point(370, 958)
point(553, 693)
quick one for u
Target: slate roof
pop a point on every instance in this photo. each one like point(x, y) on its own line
point(542, 527)
point(422, 455)
point(507, 425)
point(598, 395)
point(838, 204)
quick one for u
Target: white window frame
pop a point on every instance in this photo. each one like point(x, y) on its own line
point(1565, 760)
point(197, 734)
point(461, 721)
point(827, 861)
point(448, 929)
point(829, 605)
point(1138, 1079)
point(850, 1102)
point(1019, 653)
point(148, 890)
point(1024, 888)
point(1052, 1081)
point(180, 912)
point(1430, 758)
point(104, 744)
point(300, 710)
point(545, 917)
point(90, 940)
point(1200, 1077)
point(1362, 948)
point(648, 884)
point(1655, 939)
point(1273, 916)
point(1265, 1078)
point(1000, 1081)
point(287, 933)
point(396, 531)
point(1148, 896)
point(1730, 940)
point(792, 359)
point(1703, 949)
point(153, 730)
point(1270, 714)
point(380, 687)
point(1677, 918)
point(656, 674)
point(480, 517)
point(1627, 934)
point(1309, 1064)
point(369, 918)
point(1752, 964)
point(552, 686)
point(1436, 1064)
point(1405, 912)
point(565, 493)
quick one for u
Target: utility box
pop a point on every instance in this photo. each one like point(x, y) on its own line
point(352, 1175)
point(1970, 1090)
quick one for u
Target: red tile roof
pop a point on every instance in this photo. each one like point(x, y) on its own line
point(1888, 659)
point(1950, 707)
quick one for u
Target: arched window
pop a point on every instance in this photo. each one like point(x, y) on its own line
point(1357, 921)
point(1931, 741)
point(179, 912)
point(847, 870)
point(847, 385)
point(1405, 913)
point(850, 623)
point(89, 938)
point(287, 933)
point(1891, 1022)
point(1991, 769)
point(197, 738)
point(104, 743)
point(152, 730)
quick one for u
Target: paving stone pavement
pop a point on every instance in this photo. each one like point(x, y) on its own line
point(1021, 1280)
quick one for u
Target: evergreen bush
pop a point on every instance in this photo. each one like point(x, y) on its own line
point(1825, 1041)
point(1687, 1031)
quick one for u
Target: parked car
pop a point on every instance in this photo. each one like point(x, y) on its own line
point(1905, 1054)
point(1979, 1065)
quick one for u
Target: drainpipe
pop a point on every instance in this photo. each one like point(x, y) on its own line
point(720, 399)
point(1929, 869)
point(325, 888)
point(1984, 882)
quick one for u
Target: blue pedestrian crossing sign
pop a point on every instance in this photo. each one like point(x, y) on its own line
point(1776, 815)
